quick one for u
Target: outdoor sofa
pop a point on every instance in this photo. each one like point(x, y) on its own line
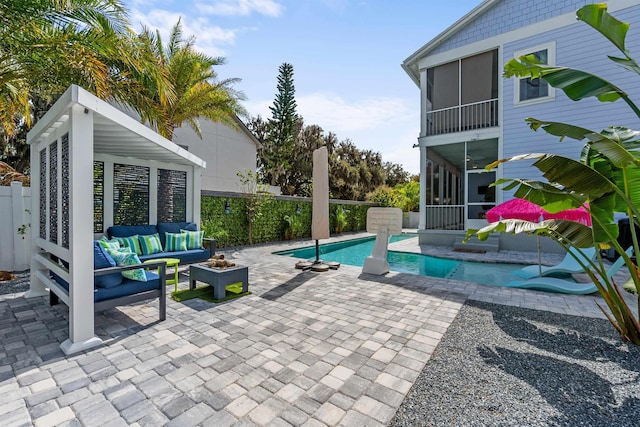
point(111, 289)
point(188, 256)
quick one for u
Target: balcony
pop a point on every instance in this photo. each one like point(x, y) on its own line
point(477, 115)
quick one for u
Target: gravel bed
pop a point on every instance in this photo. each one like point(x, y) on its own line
point(19, 284)
point(506, 366)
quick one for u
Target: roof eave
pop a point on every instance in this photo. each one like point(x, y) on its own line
point(410, 65)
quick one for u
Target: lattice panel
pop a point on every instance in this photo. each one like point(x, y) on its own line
point(65, 191)
point(98, 197)
point(53, 192)
point(43, 193)
point(130, 194)
point(172, 195)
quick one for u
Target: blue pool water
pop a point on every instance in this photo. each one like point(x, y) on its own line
point(354, 252)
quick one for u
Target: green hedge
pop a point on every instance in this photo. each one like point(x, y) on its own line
point(231, 229)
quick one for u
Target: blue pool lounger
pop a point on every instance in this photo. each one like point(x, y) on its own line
point(554, 284)
point(568, 265)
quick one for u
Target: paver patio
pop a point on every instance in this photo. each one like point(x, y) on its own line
point(335, 348)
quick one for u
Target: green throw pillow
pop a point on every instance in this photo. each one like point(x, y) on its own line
point(175, 242)
point(150, 244)
point(129, 258)
point(194, 238)
point(112, 244)
point(130, 242)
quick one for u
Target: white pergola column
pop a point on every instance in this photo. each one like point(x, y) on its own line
point(37, 287)
point(194, 191)
point(422, 225)
point(81, 320)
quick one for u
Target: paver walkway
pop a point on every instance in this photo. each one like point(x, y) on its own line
point(335, 348)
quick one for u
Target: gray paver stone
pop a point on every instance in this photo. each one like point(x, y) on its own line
point(193, 416)
point(177, 406)
point(98, 414)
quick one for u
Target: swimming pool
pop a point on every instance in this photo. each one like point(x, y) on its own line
point(353, 252)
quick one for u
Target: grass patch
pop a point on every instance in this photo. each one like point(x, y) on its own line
point(234, 290)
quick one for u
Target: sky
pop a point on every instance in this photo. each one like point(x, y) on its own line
point(346, 57)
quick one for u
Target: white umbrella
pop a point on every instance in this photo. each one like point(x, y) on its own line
point(320, 216)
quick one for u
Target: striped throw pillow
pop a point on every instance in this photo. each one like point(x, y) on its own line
point(129, 258)
point(194, 238)
point(131, 242)
point(109, 244)
point(175, 242)
point(150, 244)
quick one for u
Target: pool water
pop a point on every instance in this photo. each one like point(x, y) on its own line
point(353, 252)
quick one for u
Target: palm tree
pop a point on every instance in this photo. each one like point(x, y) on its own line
point(46, 45)
point(194, 91)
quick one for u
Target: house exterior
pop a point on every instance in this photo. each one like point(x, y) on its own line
point(471, 115)
point(226, 150)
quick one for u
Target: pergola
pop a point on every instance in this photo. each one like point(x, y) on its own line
point(93, 166)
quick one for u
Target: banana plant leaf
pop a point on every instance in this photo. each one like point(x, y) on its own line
point(596, 16)
point(576, 84)
point(565, 231)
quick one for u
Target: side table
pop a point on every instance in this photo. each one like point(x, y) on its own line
point(171, 262)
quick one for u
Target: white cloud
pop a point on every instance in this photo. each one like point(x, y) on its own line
point(210, 39)
point(385, 125)
point(338, 115)
point(241, 7)
point(335, 114)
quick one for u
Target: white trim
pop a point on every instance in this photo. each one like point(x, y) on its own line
point(452, 138)
point(407, 64)
point(550, 47)
point(153, 194)
point(107, 208)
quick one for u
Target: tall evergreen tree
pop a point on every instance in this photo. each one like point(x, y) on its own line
point(281, 132)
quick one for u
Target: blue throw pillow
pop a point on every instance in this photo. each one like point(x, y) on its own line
point(102, 259)
point(175, 242)
point(126, 259)
point(150, 244)
point(193, 238)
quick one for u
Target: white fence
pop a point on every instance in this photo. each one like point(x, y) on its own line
point(15, 227)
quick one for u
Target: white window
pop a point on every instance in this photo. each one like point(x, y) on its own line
point(528, 90)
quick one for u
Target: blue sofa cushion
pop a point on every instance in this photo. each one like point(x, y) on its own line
point(101, 259)
point(127, 287)
point(188, 256)
point(131, 230)
point(174, 227)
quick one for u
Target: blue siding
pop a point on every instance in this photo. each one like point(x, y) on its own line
point(577, 46)
point(508, 15)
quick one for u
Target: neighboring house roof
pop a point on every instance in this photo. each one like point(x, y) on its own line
point(250, 134)
point(410, 65)
point(114, 132)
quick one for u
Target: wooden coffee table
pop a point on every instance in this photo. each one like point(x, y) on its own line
point(218, 278)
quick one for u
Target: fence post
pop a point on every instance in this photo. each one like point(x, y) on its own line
point(21, 219)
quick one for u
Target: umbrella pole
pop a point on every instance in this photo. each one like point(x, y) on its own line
point(317, 253)
point(539, 258)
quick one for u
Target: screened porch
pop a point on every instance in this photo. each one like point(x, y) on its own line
point(458, 188)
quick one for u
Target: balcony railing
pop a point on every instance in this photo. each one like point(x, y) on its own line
point(445, 217)
point(460, 118)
